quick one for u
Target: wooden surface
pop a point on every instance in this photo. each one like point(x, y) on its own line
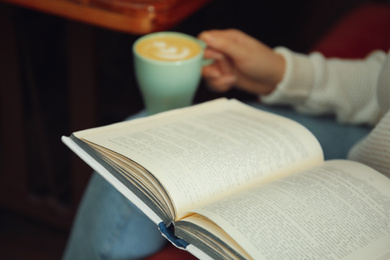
point(116, 15)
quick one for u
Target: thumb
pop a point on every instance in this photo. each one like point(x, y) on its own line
point(223, 41)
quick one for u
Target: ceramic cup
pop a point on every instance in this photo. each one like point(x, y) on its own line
point(168, 69)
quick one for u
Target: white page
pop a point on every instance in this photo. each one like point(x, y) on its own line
point(312, 216)
point(215, 148)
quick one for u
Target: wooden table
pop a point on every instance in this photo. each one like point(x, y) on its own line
point(125, 16)
point(81, 17)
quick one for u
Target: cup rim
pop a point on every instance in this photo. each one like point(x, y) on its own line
point(196, 57)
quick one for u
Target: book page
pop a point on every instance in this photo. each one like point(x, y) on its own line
point(338, 211)
point(201, 153)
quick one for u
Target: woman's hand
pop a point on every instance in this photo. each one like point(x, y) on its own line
point(241, 61)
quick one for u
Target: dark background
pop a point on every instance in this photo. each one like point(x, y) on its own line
point(44, 77)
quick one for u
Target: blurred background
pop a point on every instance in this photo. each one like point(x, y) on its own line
point(59, 75)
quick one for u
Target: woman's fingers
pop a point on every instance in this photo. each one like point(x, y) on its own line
point(210, 53)
point(229, 42)
point(242, 61)
point(220, 75)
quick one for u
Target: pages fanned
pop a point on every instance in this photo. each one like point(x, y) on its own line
point(224, 180)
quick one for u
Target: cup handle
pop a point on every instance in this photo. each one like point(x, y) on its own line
point(205, 62)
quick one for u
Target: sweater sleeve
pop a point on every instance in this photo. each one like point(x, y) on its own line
point(374, 149)
point(315, 85)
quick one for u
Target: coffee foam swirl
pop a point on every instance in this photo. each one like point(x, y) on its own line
point(164, 51)
point(168, 48)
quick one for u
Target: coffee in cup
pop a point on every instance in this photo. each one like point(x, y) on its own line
point(168, 48)
point(168, 69)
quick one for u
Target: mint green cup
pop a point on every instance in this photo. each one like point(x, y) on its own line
point(166, 85)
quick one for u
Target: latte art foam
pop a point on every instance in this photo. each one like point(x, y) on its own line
point(168, 48)
point(164, 51)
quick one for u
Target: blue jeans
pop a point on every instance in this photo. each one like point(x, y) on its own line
point(108, 226)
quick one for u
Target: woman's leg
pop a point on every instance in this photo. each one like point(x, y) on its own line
point(108, 226)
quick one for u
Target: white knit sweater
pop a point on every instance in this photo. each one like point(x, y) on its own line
point(355, 91)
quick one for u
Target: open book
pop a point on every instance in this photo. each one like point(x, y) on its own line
point(228, 181)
